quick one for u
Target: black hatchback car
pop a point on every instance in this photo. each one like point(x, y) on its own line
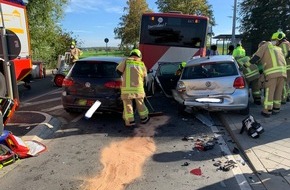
point(91, 79)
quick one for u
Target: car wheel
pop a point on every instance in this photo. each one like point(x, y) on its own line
point(58, 79)
point(181, 109)
point(71, 110)
point(245, 111)
point(2, 85)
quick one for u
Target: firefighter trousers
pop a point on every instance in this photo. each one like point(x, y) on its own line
point(256, 90)
point(273, 94)
point(128, 112)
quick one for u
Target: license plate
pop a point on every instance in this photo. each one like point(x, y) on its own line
point(209, 100)
point(82, 102)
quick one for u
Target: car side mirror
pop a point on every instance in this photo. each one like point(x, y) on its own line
point(150, 71)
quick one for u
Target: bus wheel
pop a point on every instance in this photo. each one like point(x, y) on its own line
point(58, 80)
point(2, 85)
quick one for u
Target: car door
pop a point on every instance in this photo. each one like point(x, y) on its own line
point(166, 77)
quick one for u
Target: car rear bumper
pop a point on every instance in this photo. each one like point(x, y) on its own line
point(112, 105)
point(236, 101)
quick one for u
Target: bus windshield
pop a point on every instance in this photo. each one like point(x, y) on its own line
point(183, 31)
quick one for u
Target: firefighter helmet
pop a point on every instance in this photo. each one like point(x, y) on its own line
point(136, 52)
point(182, 65)
point(278, 35)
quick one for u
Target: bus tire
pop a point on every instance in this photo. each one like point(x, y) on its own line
point(3, 89)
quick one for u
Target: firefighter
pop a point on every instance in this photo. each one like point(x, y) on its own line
point(274, 68)
point(239, 52)
point(252, 75)
point(133, 72)
point(279, 39)
point(180, 68)
point(75, 53)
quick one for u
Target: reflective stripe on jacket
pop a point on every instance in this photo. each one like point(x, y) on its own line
point(134, 73)
point(250, 71)
point(285, 46)
point(272, 58)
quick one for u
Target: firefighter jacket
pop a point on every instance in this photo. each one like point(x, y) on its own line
point(239, 52)
point(250, 71)
point(285, 46)
point(75, 54)
point(134, 73)
point(272, 59)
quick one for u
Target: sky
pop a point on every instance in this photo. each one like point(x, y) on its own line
point(91, 21)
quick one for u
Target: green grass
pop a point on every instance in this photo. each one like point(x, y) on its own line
point(90, 53)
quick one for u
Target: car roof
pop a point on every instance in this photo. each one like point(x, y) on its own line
point(104, 58)
point(207, 59)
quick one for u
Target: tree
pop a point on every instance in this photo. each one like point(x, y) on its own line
point(261, 18)
point(47, 38)
point(129, 27)
point(198, 7)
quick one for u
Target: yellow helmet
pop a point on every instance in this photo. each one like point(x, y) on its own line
point(182, 65)
point(136, 52)
point(278, 35)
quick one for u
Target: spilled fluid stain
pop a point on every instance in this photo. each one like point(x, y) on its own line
point(123, 161)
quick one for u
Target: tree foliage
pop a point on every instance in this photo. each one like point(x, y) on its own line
point(47, 38)
point(198, 7)
point(261, 18)
point(129, 27)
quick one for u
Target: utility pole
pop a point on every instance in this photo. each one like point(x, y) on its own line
point(234, 23)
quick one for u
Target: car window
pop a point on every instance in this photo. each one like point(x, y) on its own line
point(168, 69)
point(210, 70)
point(94, 69)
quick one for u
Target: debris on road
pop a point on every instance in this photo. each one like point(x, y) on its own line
point(196, 171)
point(226, 166)
point(185, 164)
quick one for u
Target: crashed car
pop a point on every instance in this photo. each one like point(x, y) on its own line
point(91, 79)
point(213, 83)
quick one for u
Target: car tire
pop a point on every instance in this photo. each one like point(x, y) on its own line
point(3, 89)
point(72, 111)
point(245, 111)
point(181, 109)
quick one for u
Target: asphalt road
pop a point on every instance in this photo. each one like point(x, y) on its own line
point(100, 153)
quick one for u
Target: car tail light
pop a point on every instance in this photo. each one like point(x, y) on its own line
point(113, 84)
point(239, 83)
point(180, 86)
point(67, 82)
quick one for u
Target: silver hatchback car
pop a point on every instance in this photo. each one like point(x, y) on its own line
point(213, 83)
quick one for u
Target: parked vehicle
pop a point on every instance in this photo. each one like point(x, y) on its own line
point(62, 68)
point(91, 79)
point(213, 83)
point(169, 38)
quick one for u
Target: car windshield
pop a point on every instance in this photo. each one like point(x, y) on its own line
point(210, 70)
point(94, 69)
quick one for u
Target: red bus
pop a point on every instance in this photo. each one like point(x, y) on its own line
point(171, 38)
